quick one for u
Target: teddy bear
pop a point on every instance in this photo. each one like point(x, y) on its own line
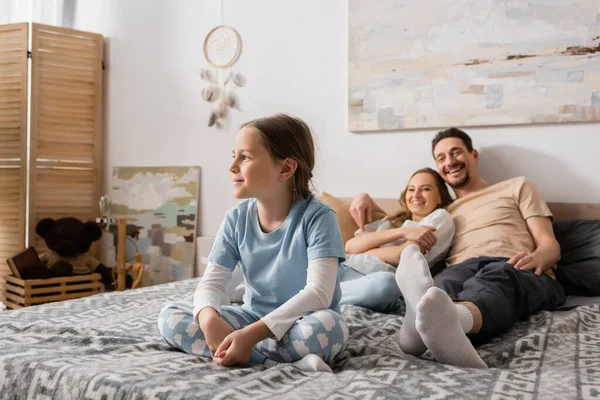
point(68, 241)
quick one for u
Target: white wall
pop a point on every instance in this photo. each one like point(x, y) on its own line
point(13, 11)
point(295, 60)
point(51, 12)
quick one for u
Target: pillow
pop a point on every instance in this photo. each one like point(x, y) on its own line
point(345, 220)
point(579, 267)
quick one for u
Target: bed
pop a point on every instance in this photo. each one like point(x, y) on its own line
point(108, 347)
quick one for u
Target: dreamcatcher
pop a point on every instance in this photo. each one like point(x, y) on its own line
point(222, 48)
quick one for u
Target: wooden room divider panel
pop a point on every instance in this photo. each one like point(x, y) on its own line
point(66, 125)
point(13, 140)
point(65, 130)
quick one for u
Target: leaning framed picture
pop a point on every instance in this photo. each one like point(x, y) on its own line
point(161, 207)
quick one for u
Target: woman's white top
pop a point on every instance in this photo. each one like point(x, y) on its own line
point(439, 219)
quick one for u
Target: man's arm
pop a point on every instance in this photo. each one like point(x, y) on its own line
point(361, 210)
point(547, 249)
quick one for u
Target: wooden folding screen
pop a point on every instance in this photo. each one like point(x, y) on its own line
point(66, 125)
point(13, 139)
point(65, 155)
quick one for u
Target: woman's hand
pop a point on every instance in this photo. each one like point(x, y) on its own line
point(361, 210)
point(423, 235)
point(215, 329)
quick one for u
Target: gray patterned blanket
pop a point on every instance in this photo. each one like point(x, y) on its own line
point(108, 347)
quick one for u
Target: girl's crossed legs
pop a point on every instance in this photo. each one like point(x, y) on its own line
point(323, 333)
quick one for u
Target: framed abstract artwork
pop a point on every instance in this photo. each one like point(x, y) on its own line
point(472, 63)
point(161, 206)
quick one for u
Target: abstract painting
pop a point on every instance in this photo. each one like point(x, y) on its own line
point(473, 62)
point(161, 205)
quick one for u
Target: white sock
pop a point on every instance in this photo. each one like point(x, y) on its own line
point(311, 362)
point(413, 279)
point(465, 318)
point(438, 323)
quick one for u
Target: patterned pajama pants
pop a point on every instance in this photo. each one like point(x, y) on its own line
point(323, 332)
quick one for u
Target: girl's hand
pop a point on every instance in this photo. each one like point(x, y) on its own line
point(421, 234)
point(235, 349)
point(215, 329)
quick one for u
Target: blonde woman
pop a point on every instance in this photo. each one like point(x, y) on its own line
point(368, 274)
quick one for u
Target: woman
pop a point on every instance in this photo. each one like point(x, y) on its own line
point(368, 274)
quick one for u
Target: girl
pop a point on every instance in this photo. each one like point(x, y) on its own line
point(374, 253)
point(289, 247)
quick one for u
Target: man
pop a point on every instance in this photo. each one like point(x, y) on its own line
point(499, 266)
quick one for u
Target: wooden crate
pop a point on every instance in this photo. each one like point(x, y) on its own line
point(19, 293)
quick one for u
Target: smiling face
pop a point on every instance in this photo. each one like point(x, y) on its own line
point(422, 195)
point(254, 172)
point(455, 163)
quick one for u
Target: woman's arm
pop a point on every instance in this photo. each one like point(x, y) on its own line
point(365, 242)
point(391, 254)
point(440, 221)
point(372, 240)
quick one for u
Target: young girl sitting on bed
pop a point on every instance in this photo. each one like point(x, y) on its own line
point(289, 247)
point(369, 275)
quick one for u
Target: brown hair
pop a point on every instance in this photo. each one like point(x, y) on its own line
point(404, 213)
point(289, 137)
point(452, 133)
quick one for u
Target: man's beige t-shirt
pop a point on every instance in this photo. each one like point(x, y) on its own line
point(491, 222)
